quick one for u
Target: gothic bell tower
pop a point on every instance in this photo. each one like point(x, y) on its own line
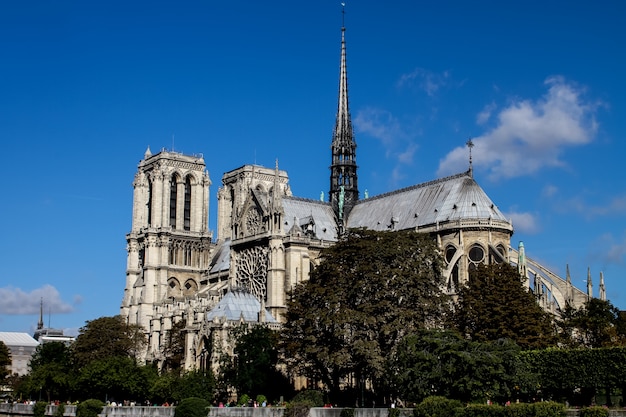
point(169, 243)
point(344, 190)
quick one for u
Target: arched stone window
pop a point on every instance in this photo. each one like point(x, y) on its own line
point(173, 199)
point(476, 255)
point(173, 288)
point(187, 210)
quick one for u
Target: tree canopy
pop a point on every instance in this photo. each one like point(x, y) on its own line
point(597, 323)
point(51, 370)
point(368, 292)
point(5, 360)
point(495, 305)
point(107, 337)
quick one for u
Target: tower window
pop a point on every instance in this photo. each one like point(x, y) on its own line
point(149, 203)
point(187, 225)
point(476, 254)
point(173, 197)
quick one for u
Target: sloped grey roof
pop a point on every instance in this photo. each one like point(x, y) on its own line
point(17, 339)
point(237, 304)
point(304, 209)
point(448, 199)
point(221, 258)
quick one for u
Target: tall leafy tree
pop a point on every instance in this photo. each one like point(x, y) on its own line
point(442, 363)
point(107, 337)
point(174, 350)
point(495, 305)
point(597, 323)
point(369, 291)
point(5, 361)
point(254, 368)
point(116, 378)
point(51, 370)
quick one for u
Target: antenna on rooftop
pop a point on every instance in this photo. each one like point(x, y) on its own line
point(470, 145)
point(172, 142)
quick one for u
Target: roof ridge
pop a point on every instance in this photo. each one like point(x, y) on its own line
point(416, 186)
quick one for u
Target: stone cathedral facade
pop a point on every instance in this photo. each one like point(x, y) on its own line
point(268, 240)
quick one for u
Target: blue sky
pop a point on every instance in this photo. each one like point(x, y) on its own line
point(86, 87)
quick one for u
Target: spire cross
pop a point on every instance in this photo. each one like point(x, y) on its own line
point(470, 145)
point(343, 13)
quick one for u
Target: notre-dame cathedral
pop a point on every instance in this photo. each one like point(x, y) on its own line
point(269, 240)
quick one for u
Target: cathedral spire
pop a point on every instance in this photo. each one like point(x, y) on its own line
point(589, 285)
point(40, 323)
point(344, 190)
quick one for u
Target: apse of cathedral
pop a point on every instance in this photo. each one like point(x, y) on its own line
point(269, 240)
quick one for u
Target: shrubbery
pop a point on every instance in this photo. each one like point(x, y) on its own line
point(436, 406)
point(595, 411)
point(192, 407)
point(89, 408)
point(39, 409)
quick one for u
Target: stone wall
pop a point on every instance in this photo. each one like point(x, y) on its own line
point(26, 410)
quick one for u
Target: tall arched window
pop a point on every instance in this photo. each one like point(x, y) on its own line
point(173, 197)
point(187, 212)
point(149, 203)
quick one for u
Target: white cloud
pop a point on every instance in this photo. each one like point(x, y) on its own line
point(484, 116)
point(530, 135)
point(613, 251)
point(577, 204)
point(549, 191)
point(523, 222)
point(14, 301)
point(425, 80)
point(398, 143)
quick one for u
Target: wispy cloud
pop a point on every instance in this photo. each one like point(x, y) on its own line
point(530, 135)
point(617, 205)
point(425, 80)
point(14, 301)
point(613, 250)
point(485, 114)
point(523, 222)
point(399, 144)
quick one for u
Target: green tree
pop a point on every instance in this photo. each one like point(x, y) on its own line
point(51, 370)
point(5, 361)
point(368, 292)
point(254, 370)
point(595, 324)
point(174, 350)
point(114, 378)
point(495, 305)
point(435, 362)
point(107, 337)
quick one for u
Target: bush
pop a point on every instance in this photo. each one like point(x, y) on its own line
point(260, 399)
point(297, 409)
point(89, 408)
point(313, 397)
point(394, 412)
point(549, 409)
point(243, 400)
point(482, 410)
point(595, 411)
point(436, 407)
point(192, 407)
point(520, 410)
point(60, 410)
point(347, 412)
point(39, 409)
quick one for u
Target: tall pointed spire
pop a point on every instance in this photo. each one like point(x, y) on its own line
point(602, 287)
point(40, 322)
point(589, 284)
point(343, 170)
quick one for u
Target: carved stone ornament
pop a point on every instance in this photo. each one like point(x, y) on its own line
point(253, 221)
point(252, 270)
